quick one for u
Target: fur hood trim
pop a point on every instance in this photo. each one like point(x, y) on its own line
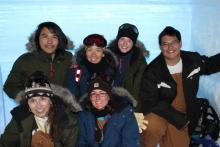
point(63, 93)
point(80, 56)
point(31, 45)
point(119, 91)
point(122, 92)
point(138, 44)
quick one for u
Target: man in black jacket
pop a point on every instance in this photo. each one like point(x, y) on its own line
point(168, 92)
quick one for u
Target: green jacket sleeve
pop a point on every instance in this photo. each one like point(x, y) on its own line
point(10, 137)
point(133, 78)
point(70, 132)
point(16, 79)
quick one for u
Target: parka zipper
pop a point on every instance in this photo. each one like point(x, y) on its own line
point(52, 71)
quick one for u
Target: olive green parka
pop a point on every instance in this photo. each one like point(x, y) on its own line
point(133, 72)
point(35, 59)
point(18, 132)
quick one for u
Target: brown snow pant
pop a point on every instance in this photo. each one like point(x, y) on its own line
point(161, 132)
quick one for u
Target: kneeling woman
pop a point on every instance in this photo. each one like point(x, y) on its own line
point(107, 119)
point(43, 119)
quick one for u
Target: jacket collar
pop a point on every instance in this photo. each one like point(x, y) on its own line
point(79, 57)
point(44, 56)
point(187, 63)
point(120, 92)
point(31, 44)
point(165, 74)
point(25, 122)
point(140, 45)
point(27, 125)
point(139, 52)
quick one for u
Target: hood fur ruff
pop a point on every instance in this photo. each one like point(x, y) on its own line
point(138, 44)
point(31, 45)
point(63, 93)
point(120, 91)
point(80, 54)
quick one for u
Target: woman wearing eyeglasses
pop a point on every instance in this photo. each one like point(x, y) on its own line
point(107, 118)
point(92, 59)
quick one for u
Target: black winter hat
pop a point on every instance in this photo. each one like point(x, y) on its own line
point(96, 39)
point(98, 83)
point(128, 30)
point(37, 84)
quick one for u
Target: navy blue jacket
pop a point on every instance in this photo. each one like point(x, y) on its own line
point(80, 88)
point(120, 131)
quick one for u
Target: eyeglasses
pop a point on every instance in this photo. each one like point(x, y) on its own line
point(171, 43)
point(129, 26)
point(102, 94)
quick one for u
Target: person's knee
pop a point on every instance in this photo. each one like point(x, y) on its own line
point(156, 129)
point(157, 125)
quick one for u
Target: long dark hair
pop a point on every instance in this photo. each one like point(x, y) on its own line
point(55, 29)
point(57, 117)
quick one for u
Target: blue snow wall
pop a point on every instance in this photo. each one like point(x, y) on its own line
point(197, 20)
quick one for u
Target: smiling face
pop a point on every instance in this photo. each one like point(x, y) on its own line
point(48, 41)
point(125, 44)
point(40, 105)
point(170, 47)
point(99, 99)
point(94, 54)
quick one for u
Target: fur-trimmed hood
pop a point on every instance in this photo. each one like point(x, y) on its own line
point(80, 56)
point(31, 44)
point(63, 93)
point(122, 92)
point(118, 94)
point(113, 45)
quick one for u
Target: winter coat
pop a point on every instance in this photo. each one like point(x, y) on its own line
point(159, 89)
point(121, 129)
point(132, 75)
point(78, 63)
point(18, 132)
point(35, 60)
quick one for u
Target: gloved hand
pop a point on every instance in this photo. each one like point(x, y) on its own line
point(142, 124)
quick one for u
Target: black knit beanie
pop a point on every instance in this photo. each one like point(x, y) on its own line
point(98, 83)
point(128, 30)
point(37, 84)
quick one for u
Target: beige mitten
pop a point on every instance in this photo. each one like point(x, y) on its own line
point(142, 124)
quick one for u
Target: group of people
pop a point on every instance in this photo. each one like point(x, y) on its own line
point(105, 94)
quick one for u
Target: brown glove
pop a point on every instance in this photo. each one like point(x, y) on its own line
point(40, 139)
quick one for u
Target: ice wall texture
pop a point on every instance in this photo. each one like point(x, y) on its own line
point(2, 110)
point(20, 18)
point(206, 40)
point(196, 19)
